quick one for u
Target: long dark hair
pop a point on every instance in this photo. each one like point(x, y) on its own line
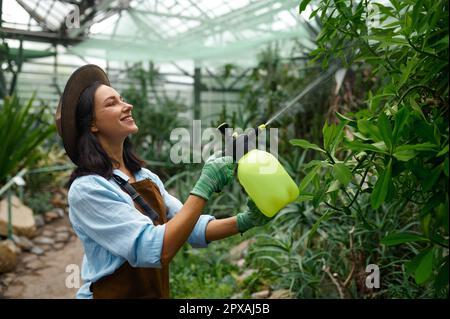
point(92, 158)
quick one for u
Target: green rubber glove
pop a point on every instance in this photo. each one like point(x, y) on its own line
point(217, 172)
point(251, 217)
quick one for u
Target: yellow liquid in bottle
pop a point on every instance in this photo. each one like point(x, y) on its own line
point(266, 181)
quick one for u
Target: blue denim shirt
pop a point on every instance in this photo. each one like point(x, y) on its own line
point(113, 231)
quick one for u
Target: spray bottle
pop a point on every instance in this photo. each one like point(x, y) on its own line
point(261, 175)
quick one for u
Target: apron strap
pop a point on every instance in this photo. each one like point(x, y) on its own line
point(137, 198)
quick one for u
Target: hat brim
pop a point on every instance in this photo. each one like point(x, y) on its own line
point(66, 124)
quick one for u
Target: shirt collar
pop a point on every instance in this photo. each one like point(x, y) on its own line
point(137, 176)
point(121, 174)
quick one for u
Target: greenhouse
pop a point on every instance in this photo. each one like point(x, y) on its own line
point(262, 149)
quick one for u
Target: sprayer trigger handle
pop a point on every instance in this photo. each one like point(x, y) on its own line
point(222, 127)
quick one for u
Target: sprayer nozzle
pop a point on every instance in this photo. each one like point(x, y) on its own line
point(262, 126)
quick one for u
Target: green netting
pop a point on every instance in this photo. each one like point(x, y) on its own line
point(13, 53)
point(201, 30)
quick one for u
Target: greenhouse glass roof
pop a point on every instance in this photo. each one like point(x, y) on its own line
point(193, 29)
point(168, 30)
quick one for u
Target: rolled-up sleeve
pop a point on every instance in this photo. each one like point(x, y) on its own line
point(197, 238)
point(109, 220)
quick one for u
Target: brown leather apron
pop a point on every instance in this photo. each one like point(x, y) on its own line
point(138, 282)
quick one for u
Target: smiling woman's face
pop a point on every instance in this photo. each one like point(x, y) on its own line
point(112, 115)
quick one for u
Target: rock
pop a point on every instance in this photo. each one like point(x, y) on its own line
point(62, 237)
point(23, 242)
point(28, 258)
point(8, 279)
point(59, 200)
point(22, 218)
point(62, 229)
point(39, 221)
point(35, 265)
point(238, 295)
point(58, 246)
point(15, 239)
point(37, 250)
point(240, 263)
point(282, 294)
point(42, 240)
point(64, 192)
point(50, 216)
point(245, 275)
point(8, 256)
point(261, 294)
point(18, 249)
point(48, 233)
point(46, 248)
point(60, 212)
point(239, 251)
point(13, 291)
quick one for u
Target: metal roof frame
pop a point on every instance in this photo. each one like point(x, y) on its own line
point(165, 30)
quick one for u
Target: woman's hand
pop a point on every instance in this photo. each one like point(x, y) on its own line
point(216, 173)
point(251, 217)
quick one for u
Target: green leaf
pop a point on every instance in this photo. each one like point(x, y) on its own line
point(425, 267)
point(406, 70)
point(319, 196)
point(332, 136)
point(426, 224)
point(432, 178)
point(369, 129)
point(334, 186)
point(344, 118)
point(360, 146)
point(381, 146)
point(446, 166)
point(360, 136)
point(405, 155)
point(338, 136)
point(443, 151)
point(308, 178)
point(23, 128)
point(412, 265)
point(381, 187)
point(437, 134)
point(316, 225)
point(424, 130)
point(303, 5)
point(375, 100)
point(416, 107)
point(442, 277)
point(423, 147)
point(387, 40)
point(316, 163)
point(401, 118)
point(342, 173)
point(400, 238)
point(385, 129)
point(306, 145)
point(316, 183)
point(305, 197)
point(314, 13)
point(385, 10)
point(327, 132)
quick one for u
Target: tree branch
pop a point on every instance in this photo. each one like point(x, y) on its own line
point(335, 281)
point(352, 252)
point(362, 182)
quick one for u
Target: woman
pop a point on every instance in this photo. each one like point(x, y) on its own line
point(112, 197)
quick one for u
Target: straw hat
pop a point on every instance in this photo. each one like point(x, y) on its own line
point(65, 116)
